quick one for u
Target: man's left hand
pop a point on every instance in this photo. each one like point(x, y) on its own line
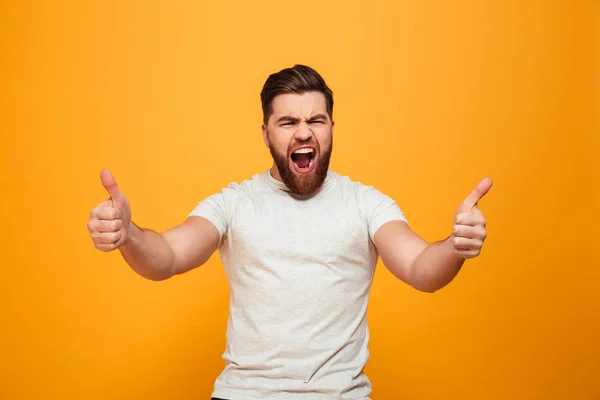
point(469, 230)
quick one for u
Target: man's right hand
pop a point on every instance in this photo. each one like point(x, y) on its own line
point(110, 221)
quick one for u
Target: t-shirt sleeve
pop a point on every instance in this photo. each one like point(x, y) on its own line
point(378, 209)
point(213, 208)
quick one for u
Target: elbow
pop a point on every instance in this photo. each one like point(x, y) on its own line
point(413, 278)
point(158, 278)
point(155, 277)
point(426, 289)
point(421, 286)
point(156, 274)
point(425, 283)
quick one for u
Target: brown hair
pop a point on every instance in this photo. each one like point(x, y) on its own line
point(298, 79)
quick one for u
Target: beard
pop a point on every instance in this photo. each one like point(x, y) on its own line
point(303, 184)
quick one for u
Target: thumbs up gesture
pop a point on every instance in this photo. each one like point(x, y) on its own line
point(109, 222)
point(469, 230)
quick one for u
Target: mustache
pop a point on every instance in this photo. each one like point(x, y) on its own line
point(311, 142)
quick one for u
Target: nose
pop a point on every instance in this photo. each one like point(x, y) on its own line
point(303, 133)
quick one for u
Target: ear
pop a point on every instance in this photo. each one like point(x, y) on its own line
point(332, 126)
point(265, 135)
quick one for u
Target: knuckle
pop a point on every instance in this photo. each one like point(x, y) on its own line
point(114, 237)
point(105, 247)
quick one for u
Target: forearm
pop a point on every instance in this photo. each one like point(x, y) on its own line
point(148, 254)
point(435, 266)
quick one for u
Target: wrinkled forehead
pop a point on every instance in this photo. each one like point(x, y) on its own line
point(295, 105)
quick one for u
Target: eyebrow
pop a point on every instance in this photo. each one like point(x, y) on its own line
point(318, 116)
point(287, 118)
point(294, 119)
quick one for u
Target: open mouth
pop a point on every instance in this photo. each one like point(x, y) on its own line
point(303, 159)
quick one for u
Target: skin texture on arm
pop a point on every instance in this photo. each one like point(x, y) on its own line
point(426, 267)
point(429, 267)
point(159, 256)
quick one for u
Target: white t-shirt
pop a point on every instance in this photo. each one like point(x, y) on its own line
point(300, 273)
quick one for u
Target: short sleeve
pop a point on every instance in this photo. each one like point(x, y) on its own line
point(213, 209)
point(378, 208)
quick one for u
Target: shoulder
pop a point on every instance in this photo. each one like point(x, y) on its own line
point(245, 186)
point(224, 202)
point(375, 206)
point(360, 190)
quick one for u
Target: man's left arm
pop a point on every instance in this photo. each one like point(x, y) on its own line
point(429, 267)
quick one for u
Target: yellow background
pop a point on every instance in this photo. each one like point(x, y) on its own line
point(430, 95)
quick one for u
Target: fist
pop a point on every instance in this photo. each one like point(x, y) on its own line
point(469, 231)
point(110, 221)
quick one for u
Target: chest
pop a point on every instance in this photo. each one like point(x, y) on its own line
point(330, 232)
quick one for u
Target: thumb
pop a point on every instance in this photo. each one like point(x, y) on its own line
point(480, 190)
point(110, 184)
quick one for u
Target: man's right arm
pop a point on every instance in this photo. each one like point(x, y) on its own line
point(159, 256)
point(153, 255)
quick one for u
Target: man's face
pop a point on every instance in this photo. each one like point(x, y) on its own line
point(299, 135)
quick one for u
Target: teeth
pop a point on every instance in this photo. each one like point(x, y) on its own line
point(303, 151)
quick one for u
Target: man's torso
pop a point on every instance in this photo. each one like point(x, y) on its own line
point(300, 272)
